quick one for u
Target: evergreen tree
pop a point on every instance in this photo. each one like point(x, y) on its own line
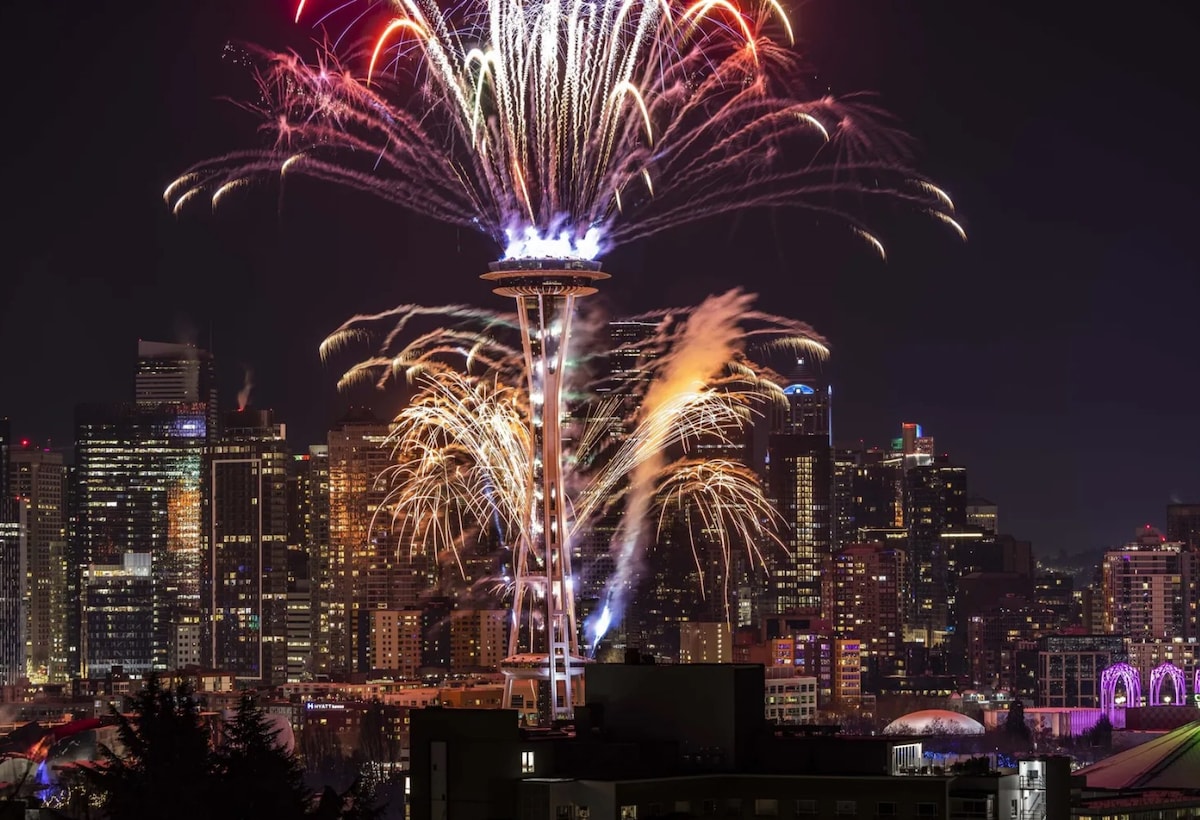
point(1101, 735)
point(165, 768)
point(359, 802)
point(257, 777)
point(1014, 724)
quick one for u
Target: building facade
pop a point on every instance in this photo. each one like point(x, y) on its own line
point(396, 641)
point(701, 642)
point(13, 588)
point(139, 487)
point(865, 588)
point(1069, 667)
point(39, 478)
point(367, 568)
point(118, 616)
point(246, 571)
point(1150, 589)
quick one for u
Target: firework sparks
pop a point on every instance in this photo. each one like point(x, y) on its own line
point(561, 128)
point(462, 446)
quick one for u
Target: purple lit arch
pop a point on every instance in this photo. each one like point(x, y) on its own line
point(1110, 677)
point(1161, 673)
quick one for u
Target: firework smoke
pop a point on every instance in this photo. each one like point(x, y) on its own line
point(707, 344)
point(243, 397)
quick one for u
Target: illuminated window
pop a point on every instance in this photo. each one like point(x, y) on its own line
point(628, 812)
point(526, 762)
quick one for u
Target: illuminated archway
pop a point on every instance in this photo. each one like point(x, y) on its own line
point(1124, 674)
point(1161, 673)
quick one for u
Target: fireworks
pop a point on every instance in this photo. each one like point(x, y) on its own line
point(561, 128)
point(463, 449)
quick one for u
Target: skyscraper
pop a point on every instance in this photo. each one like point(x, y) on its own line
point(800, 475)
point(170, 373)
point(308, 562)
point(1183, 524)
point(631, 350)
point(866, 591)
point(118, 616)
point(39, 478)
point(1151, 588)
point(368, 569)
point(139, 485)
point(983, 514)
point(5, 436)
point(310, 522)
point(13, 581)
point(247, 571)
point(935, 502)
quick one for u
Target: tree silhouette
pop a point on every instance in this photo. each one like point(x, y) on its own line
point(168, 768)
point(1101, 735)
point(359, 802)
point(165, 765)
point(257, 777)
point(1015, 727)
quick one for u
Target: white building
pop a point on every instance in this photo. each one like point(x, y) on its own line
point(790, 699)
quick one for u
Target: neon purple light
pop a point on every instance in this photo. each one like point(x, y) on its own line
point(1161, 673)
point(1110, 677)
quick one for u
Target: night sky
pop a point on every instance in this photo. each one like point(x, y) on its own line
point(1054, 354)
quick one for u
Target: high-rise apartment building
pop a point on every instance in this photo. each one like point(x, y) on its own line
point(309, 531)
point(13, 597)
point(118, 609)
point(1150, 588)
point(846, 462)
point(935, 502)
point(38, 477)
point(299, 631)
point(478, 639)
point(865, 585)
point(246, 577)
point(800, 475)
point(368, 569)
point(139, 486)
point(396, 643)
point(877, 492)
point(705, 642)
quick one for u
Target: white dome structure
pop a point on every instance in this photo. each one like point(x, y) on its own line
point(934, 722)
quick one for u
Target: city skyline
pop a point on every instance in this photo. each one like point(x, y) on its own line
point(1012, 368)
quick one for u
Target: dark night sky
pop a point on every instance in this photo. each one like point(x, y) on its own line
point(1055, 354)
